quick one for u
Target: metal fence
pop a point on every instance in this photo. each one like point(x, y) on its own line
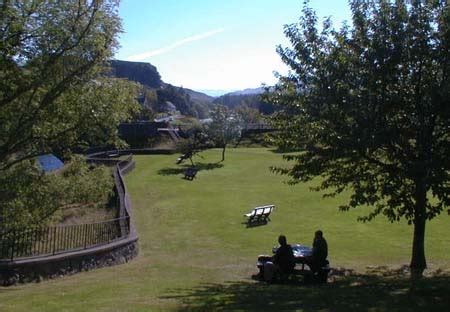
point(40, 241)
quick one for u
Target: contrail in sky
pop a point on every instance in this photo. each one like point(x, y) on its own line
point(179, 43)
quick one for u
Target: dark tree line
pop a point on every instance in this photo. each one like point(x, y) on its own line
point(255, 101)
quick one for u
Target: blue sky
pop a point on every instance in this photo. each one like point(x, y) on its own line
point(213, 44)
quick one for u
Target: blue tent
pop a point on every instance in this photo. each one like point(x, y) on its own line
point(50, 162)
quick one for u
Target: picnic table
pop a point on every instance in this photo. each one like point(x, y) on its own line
point(301, 253)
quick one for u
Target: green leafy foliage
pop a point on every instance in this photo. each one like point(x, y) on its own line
point(182, 100)
point(28, 197)
point(94, 184)
point(55, 96)
point(197, 140)
point(52, 94)
point(248, 114)
point(368, 104)
point(225, 127)
point(255, 101)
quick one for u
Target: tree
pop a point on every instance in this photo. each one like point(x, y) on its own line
point(197, 141)
point(225, 127)
point(55, 95)
point(53, 91)
point(248, 114)
point(369, 104)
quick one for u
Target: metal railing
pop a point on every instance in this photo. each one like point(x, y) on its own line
point(43, 241)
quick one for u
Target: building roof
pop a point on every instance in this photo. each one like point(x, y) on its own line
point(50, 162)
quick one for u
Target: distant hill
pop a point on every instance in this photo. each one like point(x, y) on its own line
point(199, 96)
point(248, 91)
point(215, 92)
point(156, 93)
point(144, 73)
point(248, 97)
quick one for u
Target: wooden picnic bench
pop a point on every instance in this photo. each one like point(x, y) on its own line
point(259, 214)
point(190, 173)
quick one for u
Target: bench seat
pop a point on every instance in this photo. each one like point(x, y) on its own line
point(259, 214)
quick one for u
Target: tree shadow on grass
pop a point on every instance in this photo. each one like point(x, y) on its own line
point(182, 168)
point(286, 150)
point(355, 293)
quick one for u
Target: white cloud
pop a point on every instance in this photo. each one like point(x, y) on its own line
point(148, 54)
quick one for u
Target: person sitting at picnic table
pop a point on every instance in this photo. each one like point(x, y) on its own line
point(283, 262)
point(319, 252)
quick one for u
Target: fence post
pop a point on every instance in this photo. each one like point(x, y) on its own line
point(13, 244)
point(85, 235)
point(54, 240)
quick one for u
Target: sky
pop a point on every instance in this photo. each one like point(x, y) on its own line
point(214, 44)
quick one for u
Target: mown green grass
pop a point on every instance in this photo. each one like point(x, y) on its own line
point(196, 253)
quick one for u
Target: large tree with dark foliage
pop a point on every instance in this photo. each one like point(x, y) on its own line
point(54, 96)
point(53, 93)
point(369, 105)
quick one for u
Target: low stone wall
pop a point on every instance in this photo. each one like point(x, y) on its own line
point(117, 252)
point(36, 270)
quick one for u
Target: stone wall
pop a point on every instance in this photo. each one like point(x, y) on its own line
point(40, 269)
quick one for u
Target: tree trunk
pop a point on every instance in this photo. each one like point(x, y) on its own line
point(223, 152)
point(418, 262)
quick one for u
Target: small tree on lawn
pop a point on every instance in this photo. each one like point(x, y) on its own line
point(196, 142)
point(369, 104)
point(225, 127)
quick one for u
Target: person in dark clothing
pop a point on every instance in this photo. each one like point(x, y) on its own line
point(281, 264)
point(284, 257)
point(319, 252)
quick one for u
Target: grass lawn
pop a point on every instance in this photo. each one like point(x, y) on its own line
point(197, 255)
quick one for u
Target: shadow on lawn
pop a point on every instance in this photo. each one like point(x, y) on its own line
point(286, 150)
point(366, 292)
point(250, 225)
point(180, 170)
